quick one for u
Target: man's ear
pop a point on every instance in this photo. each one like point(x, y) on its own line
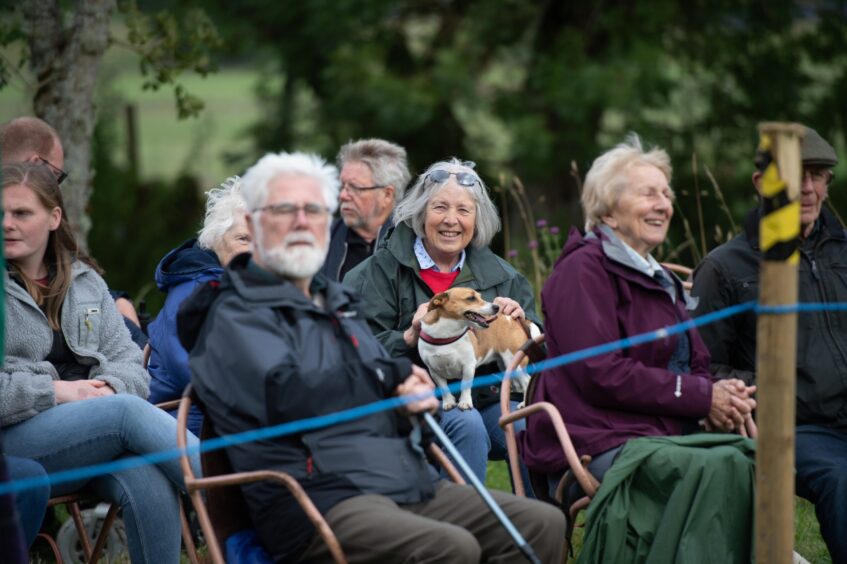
point(438, 300)
point(390, 193)
point(757, 182)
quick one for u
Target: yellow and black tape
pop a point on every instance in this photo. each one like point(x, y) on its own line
point(779, 229)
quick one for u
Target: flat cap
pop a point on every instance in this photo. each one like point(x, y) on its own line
point(816, 151)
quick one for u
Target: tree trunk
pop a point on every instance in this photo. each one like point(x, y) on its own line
point(65, 58)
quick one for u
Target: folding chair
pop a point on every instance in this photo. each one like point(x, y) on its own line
point(91, 554)
point(224, 511)
point(577, 467)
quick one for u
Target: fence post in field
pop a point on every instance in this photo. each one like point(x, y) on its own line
point(779, 234)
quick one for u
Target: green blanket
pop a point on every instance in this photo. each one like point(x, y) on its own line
point(675, 499)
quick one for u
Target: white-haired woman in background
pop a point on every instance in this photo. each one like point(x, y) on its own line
point(224, 235)
point(443, 228)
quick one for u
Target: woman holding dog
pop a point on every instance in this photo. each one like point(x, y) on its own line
point(72, 388)
point(606, 286)
point(443, 228)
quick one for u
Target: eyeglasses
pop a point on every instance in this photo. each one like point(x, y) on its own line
point(464, 178)
point(819, 176)
point(314, 212)
point(57, 172)
point(359, 190)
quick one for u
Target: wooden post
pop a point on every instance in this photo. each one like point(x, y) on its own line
point(776, 348)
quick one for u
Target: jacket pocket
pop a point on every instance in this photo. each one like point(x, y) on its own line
point(90, 318)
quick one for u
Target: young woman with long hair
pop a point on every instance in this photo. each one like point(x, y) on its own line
point(72, 387)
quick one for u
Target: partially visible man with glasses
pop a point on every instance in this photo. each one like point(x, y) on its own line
point(373, 178)
point(31, 139)
point(729, 275)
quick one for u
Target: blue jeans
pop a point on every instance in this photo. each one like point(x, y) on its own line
point(822, 479)
point(98, 430)
point(32, 503)
point(479, 438)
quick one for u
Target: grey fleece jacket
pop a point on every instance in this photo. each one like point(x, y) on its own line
point(94, 331)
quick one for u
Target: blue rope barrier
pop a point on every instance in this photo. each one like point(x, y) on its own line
point(303, 425)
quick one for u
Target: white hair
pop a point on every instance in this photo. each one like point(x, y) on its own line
point(412, 209)
point(609, 176)
point(386, 161)
point(223, 204)
point(254, 184)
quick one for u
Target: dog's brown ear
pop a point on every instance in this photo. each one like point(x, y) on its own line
point(438, 300)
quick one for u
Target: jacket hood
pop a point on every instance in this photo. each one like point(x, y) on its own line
point(184, 263)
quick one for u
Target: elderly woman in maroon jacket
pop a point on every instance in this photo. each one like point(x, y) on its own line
point(606, 286)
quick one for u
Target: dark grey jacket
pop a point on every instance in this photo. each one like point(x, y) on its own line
point(267, 355)
point(729, 275)
point(337, 253)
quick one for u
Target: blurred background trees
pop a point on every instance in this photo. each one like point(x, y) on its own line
point(533, 90)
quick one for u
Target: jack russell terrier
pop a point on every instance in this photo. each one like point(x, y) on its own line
point(461, 331)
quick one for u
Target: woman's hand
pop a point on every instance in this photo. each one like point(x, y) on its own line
point(732, 405)
point(510, 307)
point(411, 334)
point(76, 390)
point(418, 383)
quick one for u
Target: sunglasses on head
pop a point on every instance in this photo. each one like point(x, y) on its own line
point(440, 175)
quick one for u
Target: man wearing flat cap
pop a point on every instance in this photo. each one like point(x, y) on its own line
point(729, 275)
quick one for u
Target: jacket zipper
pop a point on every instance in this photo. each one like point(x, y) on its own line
point(341, 264)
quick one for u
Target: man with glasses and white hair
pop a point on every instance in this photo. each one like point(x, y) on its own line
point(278, 342)
point(374, 175)
point(729, 275)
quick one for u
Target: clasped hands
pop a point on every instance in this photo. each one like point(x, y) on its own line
point(732, 407)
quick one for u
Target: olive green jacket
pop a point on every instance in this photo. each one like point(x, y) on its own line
point(391, 286)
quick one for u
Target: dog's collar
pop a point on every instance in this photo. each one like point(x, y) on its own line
point(440, 341)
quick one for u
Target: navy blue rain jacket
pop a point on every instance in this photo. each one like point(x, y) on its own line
point(178, 273)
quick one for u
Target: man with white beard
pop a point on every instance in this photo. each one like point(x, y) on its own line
point(276, 342)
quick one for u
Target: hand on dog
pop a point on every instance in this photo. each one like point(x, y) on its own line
point(411, 334)
point(418, 383)
point(509, 307)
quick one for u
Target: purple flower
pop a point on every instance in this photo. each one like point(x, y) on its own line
point(541, 223)
point(533, 244)
point(554, 230)
point(512, 253)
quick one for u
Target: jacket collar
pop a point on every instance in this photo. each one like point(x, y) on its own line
point(261, 287)
point(618, 262)
point(480, 264)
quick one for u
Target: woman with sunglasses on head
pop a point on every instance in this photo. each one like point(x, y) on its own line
point(443, 228)
point(72, 388)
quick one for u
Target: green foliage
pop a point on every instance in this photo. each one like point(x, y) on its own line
point(136, 223)
point(528, 88)
point(169, 46)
